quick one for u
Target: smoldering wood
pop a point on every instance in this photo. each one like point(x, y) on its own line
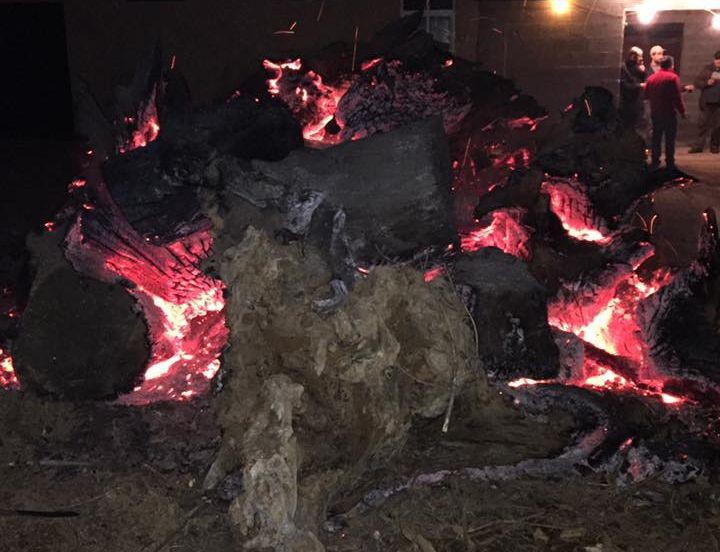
point(588, 144)
point(519, 191)
point(156, 186)
point(681, 322)
point(394, 187)
point(510, 312)
point(132, 99)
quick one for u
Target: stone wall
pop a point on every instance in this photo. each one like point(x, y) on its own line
point(553, 57)
point(550, 57)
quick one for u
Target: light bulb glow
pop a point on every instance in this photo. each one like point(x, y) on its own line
point(646, 14)
point(560, 7)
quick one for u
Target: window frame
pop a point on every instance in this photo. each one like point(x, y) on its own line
point(432, 12)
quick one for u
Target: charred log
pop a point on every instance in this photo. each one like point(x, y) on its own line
point(681, 323)
point(79, 338)
point(509, 310)
point(589, 145)
point(394, 189)
point(155, 187)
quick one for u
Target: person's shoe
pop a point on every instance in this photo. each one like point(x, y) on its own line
point(715, 149)
point(695, 150)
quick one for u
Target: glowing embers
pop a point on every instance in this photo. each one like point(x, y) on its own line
point(143, 129)
point(602, 377)
point(571, 205)
point(184, 308)
point(505, 231)
point(512, 161)
point(277, 69)
point(605, 315)
point(7, 372)
point(431, 274)
point(599, 377)
point(187, 323)
point(526, 122)
point(312, 102)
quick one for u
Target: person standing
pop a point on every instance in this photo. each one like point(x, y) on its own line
point(708, 81)
point(632, 82)
point(657, 52)
point(664, 93)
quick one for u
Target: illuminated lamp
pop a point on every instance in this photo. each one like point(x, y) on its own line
point(560, 7)
point(716, 22)
point(646, 14)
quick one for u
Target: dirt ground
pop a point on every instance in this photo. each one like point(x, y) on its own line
point(128, 479)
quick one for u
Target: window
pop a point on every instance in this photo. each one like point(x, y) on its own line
point(438, 18)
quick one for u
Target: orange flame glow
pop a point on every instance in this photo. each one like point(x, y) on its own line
point(7, 372)
point(312, 101)
point(504, 232)
point(572, 206)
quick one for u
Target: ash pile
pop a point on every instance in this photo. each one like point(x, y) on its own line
point(365, 246)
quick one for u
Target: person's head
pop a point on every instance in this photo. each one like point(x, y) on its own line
point(667, 62)
point(656, 53)
point(717, 59)
point(635, 55)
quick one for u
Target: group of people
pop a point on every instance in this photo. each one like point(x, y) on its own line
point(656, 88)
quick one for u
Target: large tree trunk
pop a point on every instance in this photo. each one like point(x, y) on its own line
point(79, 338)
point(394, 187)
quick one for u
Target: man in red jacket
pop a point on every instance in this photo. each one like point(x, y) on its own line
point(664, 92)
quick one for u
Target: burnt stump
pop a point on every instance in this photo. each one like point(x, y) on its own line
point(509, 308)
point(80, 338)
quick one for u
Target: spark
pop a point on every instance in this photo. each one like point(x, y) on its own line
point(76, 184)
point(290, 30)
point(643, 221)
point(367, 65)
point(467, 150)
point(357, 30)
point(652, 224)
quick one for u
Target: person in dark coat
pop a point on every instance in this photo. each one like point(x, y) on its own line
point(632, 82)
point(708, 81)
point(664, 92)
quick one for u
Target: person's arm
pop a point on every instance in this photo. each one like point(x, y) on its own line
point(627, 81)
point(701, 81)
point(677, 99)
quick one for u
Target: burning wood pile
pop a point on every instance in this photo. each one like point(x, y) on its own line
point(345, 252)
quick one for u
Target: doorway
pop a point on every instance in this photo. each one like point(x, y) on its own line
point(667, 35)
